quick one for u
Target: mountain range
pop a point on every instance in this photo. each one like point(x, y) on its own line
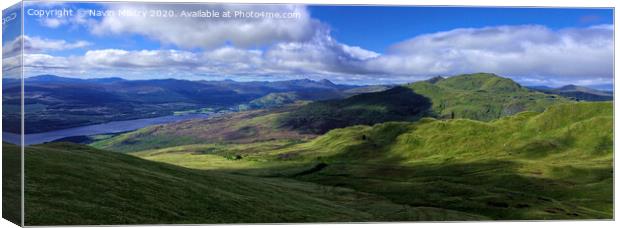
point(53, 102)
point(579, 93)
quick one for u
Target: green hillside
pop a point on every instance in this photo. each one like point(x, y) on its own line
point(69, 184)
point(366, 89)
point(479, 96)
point(551, 165)
point(396, 104)
point(482, 96)
point(11, 185)
point(272, 100)
point(242, 127)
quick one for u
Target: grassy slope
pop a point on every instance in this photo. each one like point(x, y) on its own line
point(274, 100)
point(71, 184)
point(482, 96)
point(243, 127)
point(11, 185)
point(366, 89)
point(551, 165)
point(396, 104)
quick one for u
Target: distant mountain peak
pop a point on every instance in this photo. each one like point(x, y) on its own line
point(481, 81)
point(47, 76)
point(576, 88)
point(577, 92)
point(326, 82)
point(435, 79)
point(570, 87)
point(56, 78)
point(487, 74)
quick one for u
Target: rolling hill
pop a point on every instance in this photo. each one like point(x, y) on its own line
point(367, 89)
point(70, 184)
point(479, 96)
point(557, 164)
point(396, 104)
point(242, 127)
point(272, 100)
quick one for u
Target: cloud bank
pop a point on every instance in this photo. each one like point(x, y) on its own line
point(528, 52)
point(276, 49)
point(197, 32)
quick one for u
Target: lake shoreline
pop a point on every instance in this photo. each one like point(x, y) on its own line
point(113, 127)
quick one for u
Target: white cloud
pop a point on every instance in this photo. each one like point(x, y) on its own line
point(139, 59)
point(212, 32)
point(12, 47)
point(53, 22)
point(323, 55)
point(34, 57)
point(47, 61)
point(141, 63)
point(11, 66)
point(528, 53)
point(319, 57)
point(39, 45)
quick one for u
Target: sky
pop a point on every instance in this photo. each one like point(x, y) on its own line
point(11, 30)
point(345, 44)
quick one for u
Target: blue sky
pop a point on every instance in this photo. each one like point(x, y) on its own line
point(346, 44)
point(11, 29)
point(74, 33)
point(352, 24)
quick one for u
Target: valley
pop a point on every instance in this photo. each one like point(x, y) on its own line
point(54, 103)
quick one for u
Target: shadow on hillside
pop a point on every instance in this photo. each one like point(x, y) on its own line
point(11, 183)
point(496, 189)
point(396, 104)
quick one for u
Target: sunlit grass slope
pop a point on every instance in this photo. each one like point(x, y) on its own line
point(69, 184)
point(551, 165)
point(481, 96)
